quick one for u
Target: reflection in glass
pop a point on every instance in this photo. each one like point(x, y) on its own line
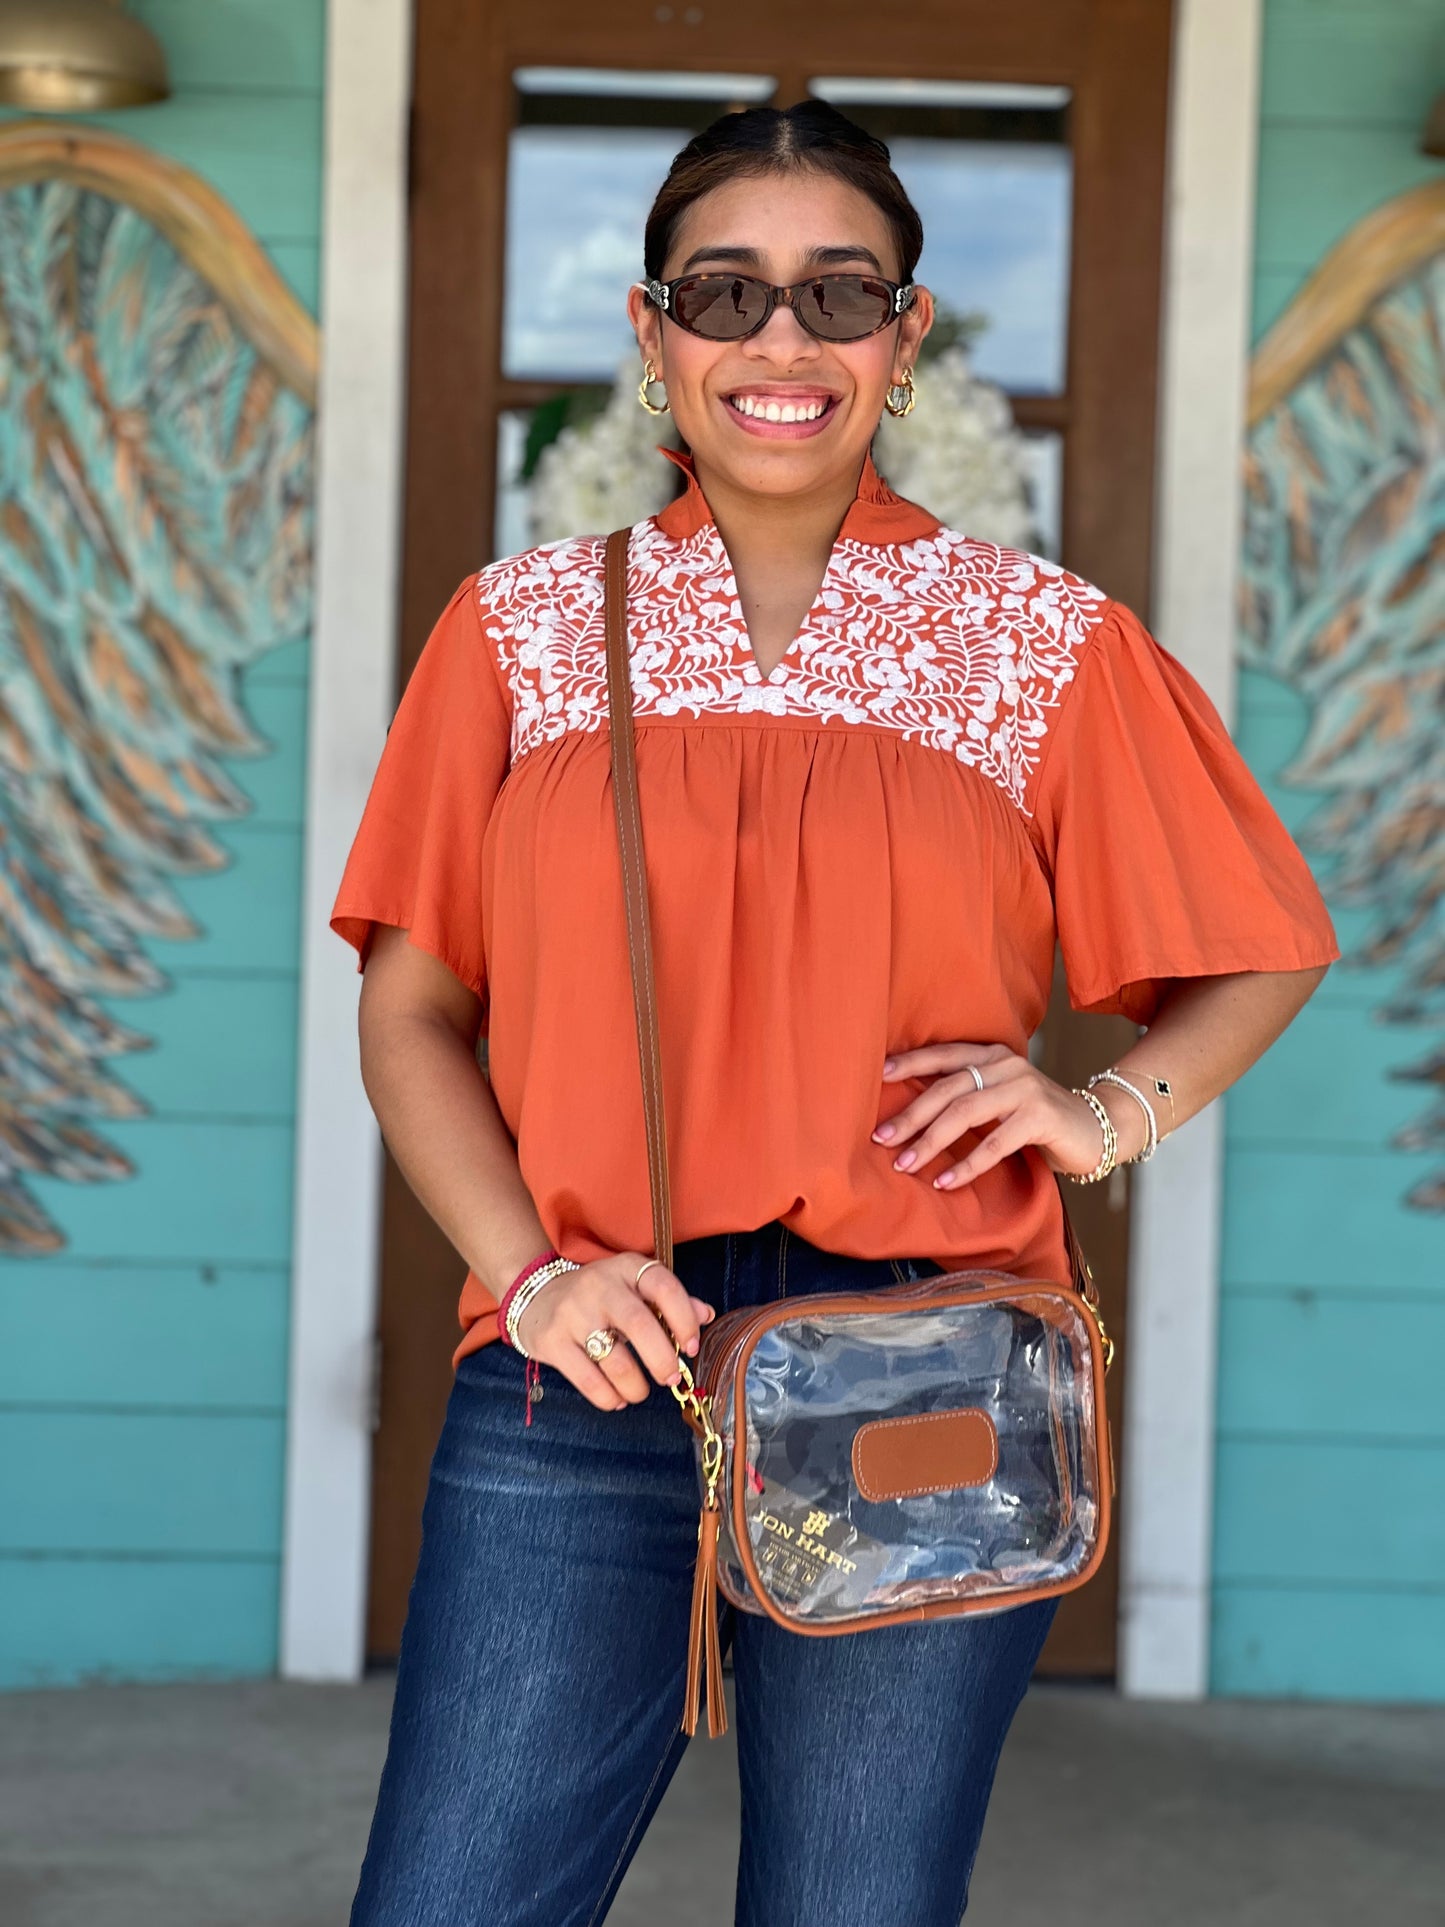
point(588, 153)
point(989, 170)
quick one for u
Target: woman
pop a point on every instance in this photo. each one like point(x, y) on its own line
point(882, 768)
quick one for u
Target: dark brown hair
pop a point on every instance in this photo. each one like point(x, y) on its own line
point(783, 140)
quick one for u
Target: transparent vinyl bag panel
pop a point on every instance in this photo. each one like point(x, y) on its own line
point(825, 1552)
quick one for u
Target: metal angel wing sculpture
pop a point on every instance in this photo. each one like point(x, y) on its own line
point(1343, 596)
point(157, 387)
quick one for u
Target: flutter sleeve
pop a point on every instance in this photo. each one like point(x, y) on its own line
point(416, 861)
point(1166, 858)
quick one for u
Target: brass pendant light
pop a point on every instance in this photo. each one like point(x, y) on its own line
point(77, 56)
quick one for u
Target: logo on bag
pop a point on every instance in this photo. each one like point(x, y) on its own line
point(805, 1540)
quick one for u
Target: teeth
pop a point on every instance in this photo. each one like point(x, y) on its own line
point(774, 411)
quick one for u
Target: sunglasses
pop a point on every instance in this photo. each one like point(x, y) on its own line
point(730, 307)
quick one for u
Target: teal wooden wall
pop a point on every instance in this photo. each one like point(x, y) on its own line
point(143, 1368)
point(1330, 1506)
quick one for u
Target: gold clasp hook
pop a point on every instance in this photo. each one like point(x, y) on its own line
point(699, 1405)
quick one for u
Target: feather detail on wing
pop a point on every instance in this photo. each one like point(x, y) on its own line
point(155, 539)
point(1343, 597)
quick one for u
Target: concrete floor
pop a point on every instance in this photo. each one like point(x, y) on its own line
point(232, 1806)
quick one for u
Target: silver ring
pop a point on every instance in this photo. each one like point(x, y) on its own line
point(599, 1343)
point(641, 1268)
point(976, 1074)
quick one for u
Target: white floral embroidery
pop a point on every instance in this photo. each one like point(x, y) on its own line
point(951, 642)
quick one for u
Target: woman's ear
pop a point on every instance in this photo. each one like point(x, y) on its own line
point(914, 325)
point(647, 325)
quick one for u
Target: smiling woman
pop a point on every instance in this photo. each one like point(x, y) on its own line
point(885, 769)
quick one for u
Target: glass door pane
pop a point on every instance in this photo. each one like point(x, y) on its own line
point(990, 172)
point(989, 169)
point(588, 152)
point(589, 149)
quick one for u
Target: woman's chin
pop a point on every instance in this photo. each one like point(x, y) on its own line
point(776, 468)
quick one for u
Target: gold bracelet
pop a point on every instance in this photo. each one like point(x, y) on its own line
point(1151, 1123)
point(1111, 1142)
point(1162, 1088)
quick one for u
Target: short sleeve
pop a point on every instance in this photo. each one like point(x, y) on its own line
point(416, 861)
point(1167, 860)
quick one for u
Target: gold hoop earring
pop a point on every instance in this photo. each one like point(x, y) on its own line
point(648, 378)
point(905, 389)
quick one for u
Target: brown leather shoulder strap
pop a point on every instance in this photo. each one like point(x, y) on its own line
point(634, 888)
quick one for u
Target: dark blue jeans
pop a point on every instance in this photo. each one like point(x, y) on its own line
point(540, 1687)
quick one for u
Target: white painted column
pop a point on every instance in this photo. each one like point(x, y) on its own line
point(338, 1162)
point(1168, 1501)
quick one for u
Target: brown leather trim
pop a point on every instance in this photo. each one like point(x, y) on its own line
point(897, 1458)
point(949, 1289)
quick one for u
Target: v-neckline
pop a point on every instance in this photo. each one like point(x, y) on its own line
point(742, 638)
point(876, 518)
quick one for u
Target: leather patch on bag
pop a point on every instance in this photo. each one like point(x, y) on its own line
point(896, 1458)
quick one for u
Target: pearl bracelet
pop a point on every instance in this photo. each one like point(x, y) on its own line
point(1111, 1142)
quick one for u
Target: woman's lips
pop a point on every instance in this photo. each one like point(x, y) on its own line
point(758, 423)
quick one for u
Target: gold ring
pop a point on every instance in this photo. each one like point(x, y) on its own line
point(599, 1343)
point(638, 1279)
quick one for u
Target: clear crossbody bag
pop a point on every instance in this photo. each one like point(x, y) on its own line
point(864, 1458)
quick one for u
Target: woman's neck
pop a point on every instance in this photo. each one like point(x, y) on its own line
point(762, 531)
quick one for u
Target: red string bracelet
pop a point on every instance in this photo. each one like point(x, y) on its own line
point(534, 1264)
point(533, 1376)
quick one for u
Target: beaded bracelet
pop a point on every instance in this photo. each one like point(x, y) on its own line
point(1151, 1123)
point(520, 1295)
point(1111, 1142)
point(515, 1300)
point(504, 1308)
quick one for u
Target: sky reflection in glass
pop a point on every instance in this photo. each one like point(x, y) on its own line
point(995, 214)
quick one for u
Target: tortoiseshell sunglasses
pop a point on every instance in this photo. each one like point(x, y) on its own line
point(730, 307)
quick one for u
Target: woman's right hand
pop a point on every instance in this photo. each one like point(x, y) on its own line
point(555, 1326)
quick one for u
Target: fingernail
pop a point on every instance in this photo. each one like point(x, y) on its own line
point(889, 1063)
point(902, 1164)
point(883, 1131)
point(945, 1181)
point(692, 1344)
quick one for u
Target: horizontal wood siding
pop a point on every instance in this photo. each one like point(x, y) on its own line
point(1329, 1573)
point(143, 1368)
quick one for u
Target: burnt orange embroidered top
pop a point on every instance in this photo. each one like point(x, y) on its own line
point(965, 751)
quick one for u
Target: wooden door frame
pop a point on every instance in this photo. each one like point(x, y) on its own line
point(320, 1587)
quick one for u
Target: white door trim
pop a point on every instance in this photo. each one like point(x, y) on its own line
point(338, 1162)
point(1167, 1501)
point(1167, 1525)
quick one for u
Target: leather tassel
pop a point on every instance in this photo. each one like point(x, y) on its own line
point(704, 1644)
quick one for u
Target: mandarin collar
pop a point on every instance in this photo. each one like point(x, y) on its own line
point(876, 514)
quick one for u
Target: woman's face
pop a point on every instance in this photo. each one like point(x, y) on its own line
point(782, 228)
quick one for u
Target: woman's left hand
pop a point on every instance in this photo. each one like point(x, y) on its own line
point(1023, 1105)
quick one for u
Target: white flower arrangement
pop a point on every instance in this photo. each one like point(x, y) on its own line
point(958, 454)
point(604, 473)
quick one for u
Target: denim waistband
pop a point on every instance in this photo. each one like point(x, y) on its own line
point(732, 1268)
